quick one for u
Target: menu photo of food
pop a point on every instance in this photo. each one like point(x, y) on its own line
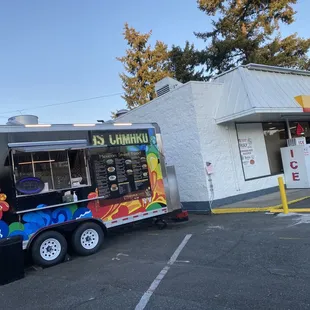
point(111, 169)
point(129, 171)
point(114, 187)
point(121, 175)
point(128, 162)
point(110, 161)
point(112, 177)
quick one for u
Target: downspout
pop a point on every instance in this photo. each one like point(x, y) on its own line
point(288, 128)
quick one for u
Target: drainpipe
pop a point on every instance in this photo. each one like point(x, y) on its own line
point(288, 128)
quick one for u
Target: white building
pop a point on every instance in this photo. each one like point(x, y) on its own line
point(237, 122)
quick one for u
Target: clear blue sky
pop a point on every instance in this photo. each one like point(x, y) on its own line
point(63, 50)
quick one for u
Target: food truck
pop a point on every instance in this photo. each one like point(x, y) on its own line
point(64, 185)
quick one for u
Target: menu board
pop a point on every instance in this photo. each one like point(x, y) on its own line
point(121, 174)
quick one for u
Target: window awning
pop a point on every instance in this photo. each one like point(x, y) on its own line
point(258, 93)
point(42, 146)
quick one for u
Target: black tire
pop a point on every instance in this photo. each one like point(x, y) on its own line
point(161, 224)
point(49, 249)
point(87, 239)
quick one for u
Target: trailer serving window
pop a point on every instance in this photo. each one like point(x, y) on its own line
point(38, 171)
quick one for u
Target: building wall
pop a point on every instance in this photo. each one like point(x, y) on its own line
point(219, 145)
point(175, 114)
point(191, 137)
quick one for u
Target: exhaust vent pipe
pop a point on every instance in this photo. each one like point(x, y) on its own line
point(21, 120)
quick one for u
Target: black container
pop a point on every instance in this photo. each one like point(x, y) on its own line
point(11, 259)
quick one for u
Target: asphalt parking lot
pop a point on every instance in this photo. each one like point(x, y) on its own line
point(305, 203)
point(233, 261)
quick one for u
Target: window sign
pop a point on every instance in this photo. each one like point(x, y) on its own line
point(119, 138)
point(252, 149)
point(29, 185)
point(247, 152)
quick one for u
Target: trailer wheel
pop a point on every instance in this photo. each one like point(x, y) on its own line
point(87, 239)
point(161, 224)
point(49, 248)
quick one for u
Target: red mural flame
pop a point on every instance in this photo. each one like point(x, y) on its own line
point(4, 206)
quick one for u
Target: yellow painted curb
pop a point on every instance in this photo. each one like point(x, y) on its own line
point(289, 202)
point(303, 210)
point(241, 210)
point(273, 209)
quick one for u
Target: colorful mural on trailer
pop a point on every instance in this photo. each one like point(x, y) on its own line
point(35, 220)
point(158, 201)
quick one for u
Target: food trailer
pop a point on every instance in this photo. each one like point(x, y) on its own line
point(69, 184)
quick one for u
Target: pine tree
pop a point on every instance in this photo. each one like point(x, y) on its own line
point(288, 52)
point(185, 62)
point(144, 67)
point(248, 31)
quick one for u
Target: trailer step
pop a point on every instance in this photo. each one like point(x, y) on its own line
point(182, 216)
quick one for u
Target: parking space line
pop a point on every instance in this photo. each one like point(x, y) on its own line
point(147, 295)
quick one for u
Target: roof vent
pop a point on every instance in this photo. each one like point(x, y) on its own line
point(23, 120)
point(165, 85)
point(121, 112)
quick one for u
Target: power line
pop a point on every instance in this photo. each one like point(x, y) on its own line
point(61, 103)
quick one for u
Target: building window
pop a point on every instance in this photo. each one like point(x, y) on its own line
point(275, 135)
